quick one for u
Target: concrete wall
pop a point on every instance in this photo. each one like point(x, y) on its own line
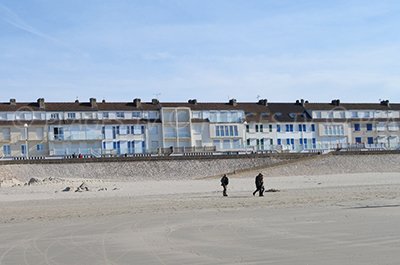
point(140, 170)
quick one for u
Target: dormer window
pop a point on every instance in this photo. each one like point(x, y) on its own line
point(120, 115)
point(54, 116)
point(136, 114)
point(72, 115)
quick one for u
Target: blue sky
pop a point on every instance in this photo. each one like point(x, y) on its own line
point(210, 50)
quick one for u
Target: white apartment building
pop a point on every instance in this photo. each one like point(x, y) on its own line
point(125, 128)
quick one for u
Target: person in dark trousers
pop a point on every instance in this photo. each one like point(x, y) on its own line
point(224, 184)
point(259, 185)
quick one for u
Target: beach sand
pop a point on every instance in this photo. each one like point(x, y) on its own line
point(320, 219)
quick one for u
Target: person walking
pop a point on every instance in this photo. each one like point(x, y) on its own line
point(259, 185)
point(224, 184)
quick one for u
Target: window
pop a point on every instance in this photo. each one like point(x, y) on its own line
point(279, 141)
point(278, 128)
point(138, 129)
point(115, 131)
point(39, 147)
point(226, 130)
point(23, 149)
point(270, 127)
point(301, 141)
point(106, 115)
point(236, 132)
point(369, 127)
point(236, 143)
point(314, 143)
point(300, 128)
point(54, 116)
point(313, 127)
point(71, 115)
point(304, 128)
point(231, 130)
point(370, 140)
point(217, 143)
point(120, 115)
point(227, 144)
point(357, 127)
point(271, 141)
point(288, 141)
point(358, 140)
point(136, 114)
point(196, 115)
point(58, 133)
point(247, 128)
point(289, 128)
point(248, 142)
point(261, 128)
point(6, 150)
point(256, 127)
point(354, 114)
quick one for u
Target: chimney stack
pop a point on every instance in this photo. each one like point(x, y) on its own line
point(192, 101)
point(137, 102)
point(385, 103)
point(155, 101)
point(263, 102)
point(13, 101)
point(301, 102)
point(233, 102)
point(93, 102)
point(336, 102)
point(40, 102)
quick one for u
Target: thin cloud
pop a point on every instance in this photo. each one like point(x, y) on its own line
point(10, 17)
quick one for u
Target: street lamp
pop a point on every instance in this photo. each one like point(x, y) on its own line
point(245, 136)
point(26, 140)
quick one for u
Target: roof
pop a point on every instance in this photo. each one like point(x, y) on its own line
point(289, 112)
point(351, 106)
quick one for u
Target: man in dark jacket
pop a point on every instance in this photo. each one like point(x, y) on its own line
point(224, 184)
point(259, 185)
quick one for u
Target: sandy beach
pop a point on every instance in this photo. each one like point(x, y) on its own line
point(316, 219)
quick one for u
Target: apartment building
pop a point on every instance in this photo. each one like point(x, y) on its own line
point(122, 128)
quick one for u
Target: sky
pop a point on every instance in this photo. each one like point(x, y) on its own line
point(281, 50)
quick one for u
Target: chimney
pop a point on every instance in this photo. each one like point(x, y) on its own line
point(155, 101)
point(103, 101)
point(336, 102)
point(192, 101)
point(137, 102)
point(263, 102)
point(385, 103)
point(93, 102)
point(40, 102)
point(233, 102)
point(76, 100)
point(13, 101)
point(301, 102)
